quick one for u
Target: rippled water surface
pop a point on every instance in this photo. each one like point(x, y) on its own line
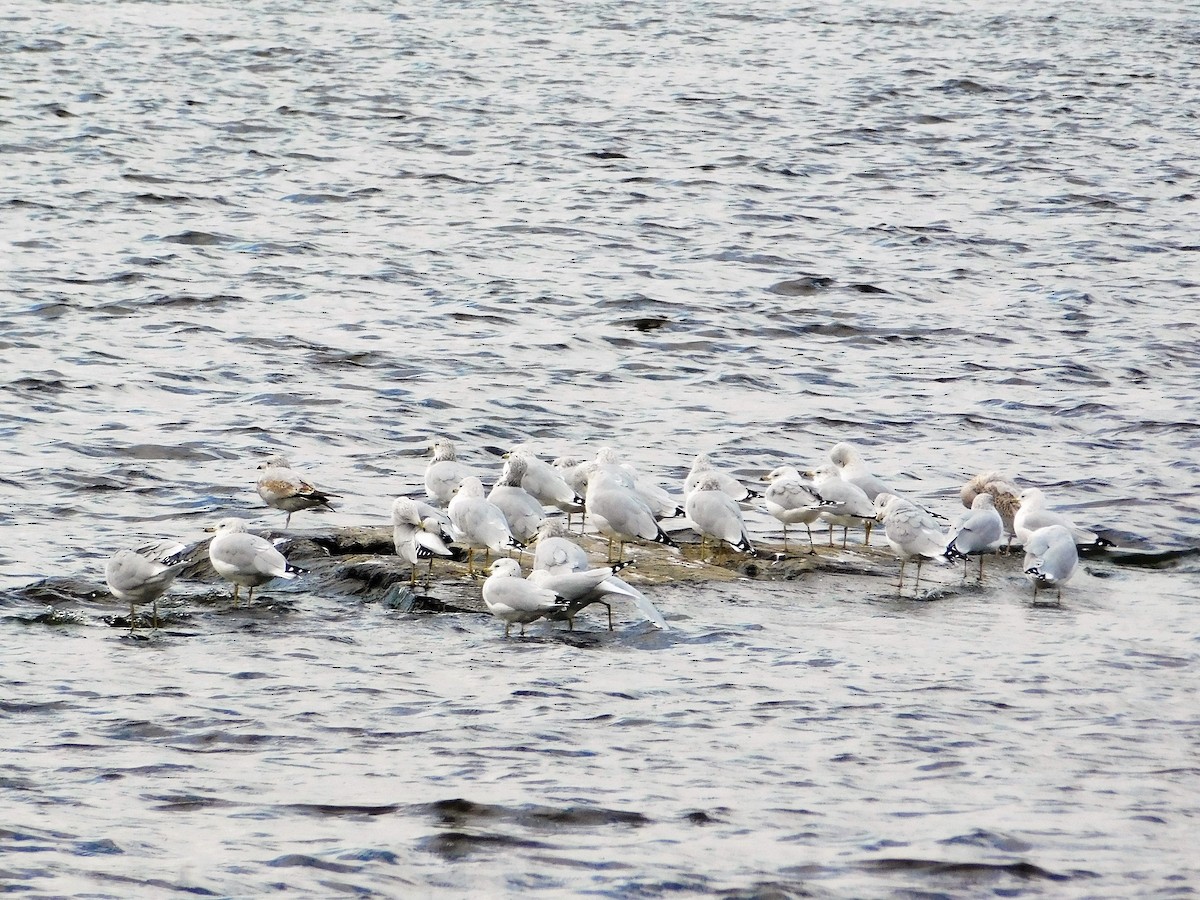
point(962, 236)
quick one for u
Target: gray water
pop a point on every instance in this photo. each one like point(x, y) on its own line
point(961, 236)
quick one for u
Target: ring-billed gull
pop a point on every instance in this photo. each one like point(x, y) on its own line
point(545, 483)
point(1050, 558)
point(521, 509)
point(245, 559)
point(444, 473)
point(513, 600)
point(576, 588)
point(1005, 495)
point(845, 504)
point(911, 532)
point(793, 501)
point(716, 515)
point(1034, 513)
point(703, 465)
point(979, 531)
point(479, 524)
point(556, 553)
point(618, 512)
point(660, 503)
point(281, 487)
point(135, 579)
point(854, 469)
point(416, 537)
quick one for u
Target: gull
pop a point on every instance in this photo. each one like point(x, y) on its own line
point(845, 504)
point(513, 600)
point(479, 524)
point(853, 469)
point(1005, 495)
point(702, 465)
point(576, 588)
point(417, 535)
point(282, 488)
point(555, 553)
point(136, 579)
point(979, 531)
point(545, 482)
point(617, 511)
point(245, 559)
point(661, 504)
point(911, 532)
point(444, 473)
point(716, 515)
point(1050, 558)
point(521, 509)
point(1034, 514)
point(792, 500)
point(571, 469)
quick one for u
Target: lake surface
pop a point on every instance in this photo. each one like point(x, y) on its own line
point(962, 237)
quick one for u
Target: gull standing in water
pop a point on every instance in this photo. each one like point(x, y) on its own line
point(444, 473)
point(911, 532)
point(555, 553)
point(245, 559)
point(282, 488)
point(479, 524)
point(135, 579)
point(793, 501)
point(716, 515)
point(1050, 558)
point(515, 601)
point(979, 531)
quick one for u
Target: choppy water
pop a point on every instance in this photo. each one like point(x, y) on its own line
point(963, 237)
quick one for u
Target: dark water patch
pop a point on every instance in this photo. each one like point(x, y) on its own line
point(335, 811)
point(189, 802)
point(199, 239)
point(805, 286)
point(975, 873)
point(462, 812)
point(455, 845)
point(302, 860)
point(158, 885)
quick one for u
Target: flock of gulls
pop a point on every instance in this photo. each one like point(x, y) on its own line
point(527, 505)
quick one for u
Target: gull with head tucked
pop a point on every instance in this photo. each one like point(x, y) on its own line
point(556, 554)
point(417, 533)
point(515, 601)
point(716, 515)
point(135, 579)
